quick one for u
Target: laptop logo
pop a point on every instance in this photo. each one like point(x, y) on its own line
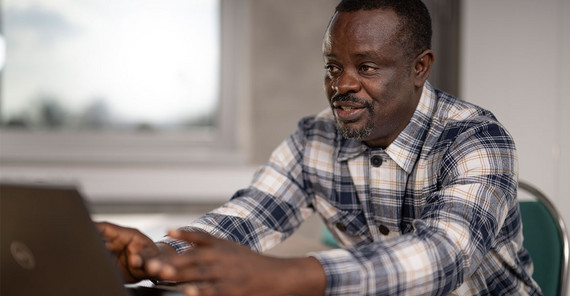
point(23, 255)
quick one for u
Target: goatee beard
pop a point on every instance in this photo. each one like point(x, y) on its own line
point(354, 133)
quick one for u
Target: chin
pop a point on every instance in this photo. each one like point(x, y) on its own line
point(357, 133)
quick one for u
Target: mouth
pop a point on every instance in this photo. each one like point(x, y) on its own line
point(347, 111)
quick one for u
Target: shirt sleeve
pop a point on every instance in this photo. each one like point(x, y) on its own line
point(269, 210)
point(458, 226)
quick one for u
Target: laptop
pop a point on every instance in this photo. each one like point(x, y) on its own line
point(50, 246)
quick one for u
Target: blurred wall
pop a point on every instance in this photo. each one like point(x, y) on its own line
point(515, 63)
point(287, 70)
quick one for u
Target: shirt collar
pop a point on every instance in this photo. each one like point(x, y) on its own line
point(350, 148)
point(406, 148)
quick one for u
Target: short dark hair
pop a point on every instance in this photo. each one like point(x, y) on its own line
point(415, 21)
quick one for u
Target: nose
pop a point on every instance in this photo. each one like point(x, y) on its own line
point(347, 82)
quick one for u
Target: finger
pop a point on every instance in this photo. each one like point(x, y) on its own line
point(185, 273)
point(166, 268)
point(196, 237)
point(191, 291)
point(116, 237)
point(130, 246)
point(139, 249)
point(163, 271)
point(143, 248)
point(101, 226)
point(207, 289)
point(201, 273)
point(112, 231)
point(135, 260)
point(107, 230)
point(153, 267)
point(196, 256)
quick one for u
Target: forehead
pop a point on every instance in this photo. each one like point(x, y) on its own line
point(375, 29)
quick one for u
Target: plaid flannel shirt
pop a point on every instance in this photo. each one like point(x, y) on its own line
point(434, 213)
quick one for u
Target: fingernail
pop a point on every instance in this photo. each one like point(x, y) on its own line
point(136, 261)
point(153, 266)
point(191, 291)
point(174, 232)
point(168, 271)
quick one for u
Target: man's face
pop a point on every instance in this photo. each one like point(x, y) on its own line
point(369, 80)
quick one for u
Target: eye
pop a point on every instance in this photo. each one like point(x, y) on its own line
point(332, 70)
point(367, 69)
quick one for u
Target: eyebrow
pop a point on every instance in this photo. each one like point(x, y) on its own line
point(367, 54)
point(364, 54)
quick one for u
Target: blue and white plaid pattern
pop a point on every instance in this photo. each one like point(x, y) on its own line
point(439, 216)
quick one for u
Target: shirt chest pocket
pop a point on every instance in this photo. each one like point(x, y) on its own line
point(348, 227)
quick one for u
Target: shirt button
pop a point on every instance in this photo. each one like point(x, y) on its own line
point(376, 160)
point(383, 229)
point(340, 227)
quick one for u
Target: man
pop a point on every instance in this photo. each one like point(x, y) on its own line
point(418, 187)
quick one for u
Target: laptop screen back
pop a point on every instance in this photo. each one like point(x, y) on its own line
point(49, 245)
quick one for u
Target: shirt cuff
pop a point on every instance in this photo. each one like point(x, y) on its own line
point(344, 275)
point(179, 245)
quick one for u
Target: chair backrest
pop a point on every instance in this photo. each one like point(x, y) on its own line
point(546, 239)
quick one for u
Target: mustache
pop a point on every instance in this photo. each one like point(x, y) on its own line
point(350, 98)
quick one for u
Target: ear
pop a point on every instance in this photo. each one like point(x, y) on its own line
point(422, 67)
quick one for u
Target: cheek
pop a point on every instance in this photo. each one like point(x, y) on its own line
point(377, 91)
point(384, 102)
point(329, 91)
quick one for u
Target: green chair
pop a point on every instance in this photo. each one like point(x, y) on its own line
point(546, 239)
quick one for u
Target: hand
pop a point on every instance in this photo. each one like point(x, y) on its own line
point(131, 250)
point(225, 268)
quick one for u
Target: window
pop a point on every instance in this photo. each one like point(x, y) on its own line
point(116, 81)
